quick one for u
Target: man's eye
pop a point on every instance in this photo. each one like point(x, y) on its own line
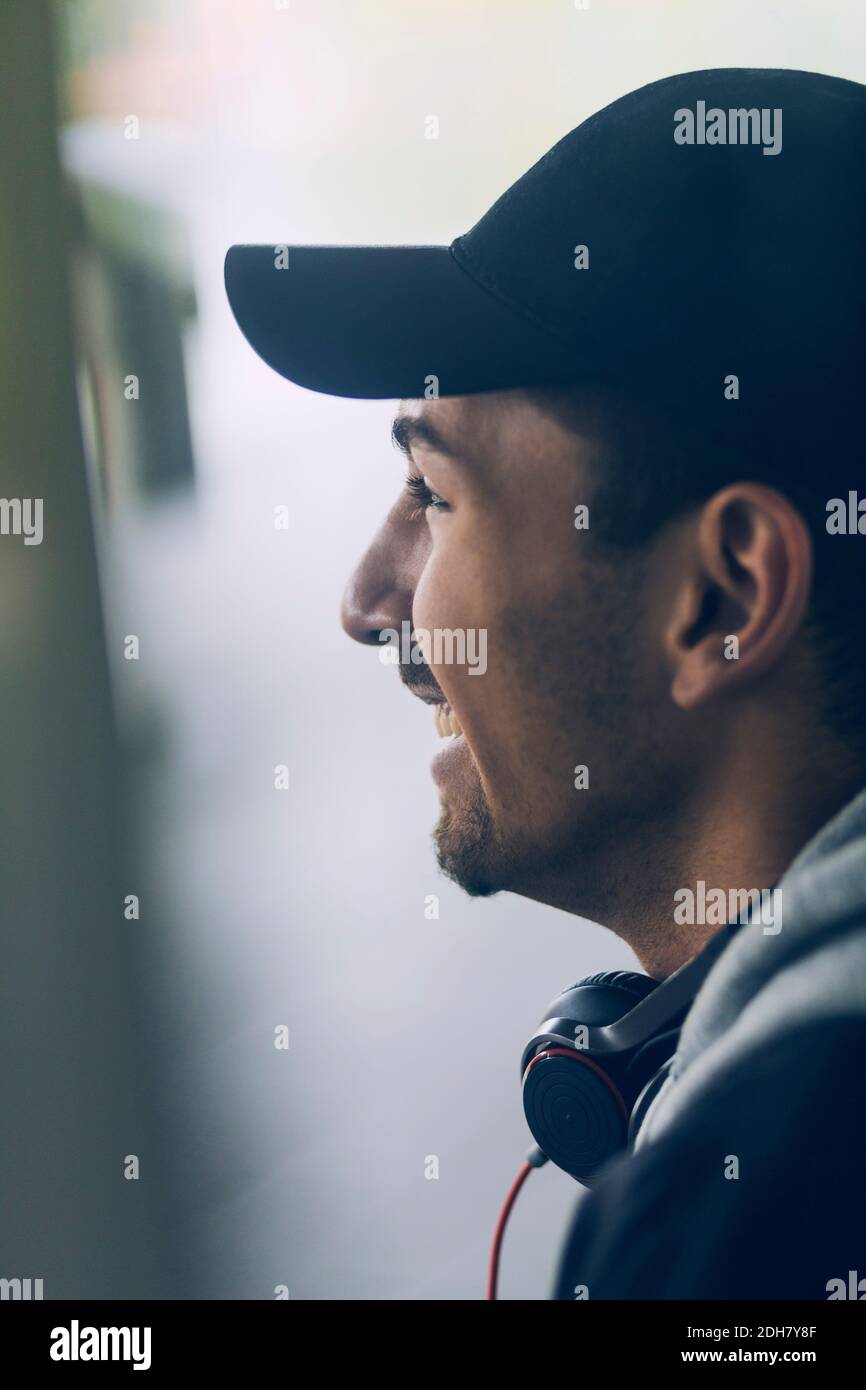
point(419, 488)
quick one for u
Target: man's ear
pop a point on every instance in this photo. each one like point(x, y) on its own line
point(746, 593)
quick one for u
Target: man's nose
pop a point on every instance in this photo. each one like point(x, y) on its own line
point(376, 597)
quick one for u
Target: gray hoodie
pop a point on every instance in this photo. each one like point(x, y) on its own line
point(765, 985)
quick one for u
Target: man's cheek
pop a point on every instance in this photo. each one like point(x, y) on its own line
point(440, 600)
point(463, 586)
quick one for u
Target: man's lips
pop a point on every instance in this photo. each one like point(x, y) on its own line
point(446, 721)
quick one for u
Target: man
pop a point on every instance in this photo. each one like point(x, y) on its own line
point(632, 413)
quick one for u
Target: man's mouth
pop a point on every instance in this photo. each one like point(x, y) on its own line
point(446, 721)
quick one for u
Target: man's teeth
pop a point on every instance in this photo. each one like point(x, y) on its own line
point(447, 724)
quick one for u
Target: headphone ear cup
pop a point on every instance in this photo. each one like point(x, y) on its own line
point(632, 985)
point(573, 1105)
point(575, 1111)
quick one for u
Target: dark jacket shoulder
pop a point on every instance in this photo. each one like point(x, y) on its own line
point(755, 1193)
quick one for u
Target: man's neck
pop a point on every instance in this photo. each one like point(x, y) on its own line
point(671, 880)
point(738, 846)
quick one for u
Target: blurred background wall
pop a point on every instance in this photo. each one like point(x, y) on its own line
point(183, 127)
point(78, 1082)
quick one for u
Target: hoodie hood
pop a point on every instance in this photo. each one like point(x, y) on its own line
point(765, 984)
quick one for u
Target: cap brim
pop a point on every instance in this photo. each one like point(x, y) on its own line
point(382, 322)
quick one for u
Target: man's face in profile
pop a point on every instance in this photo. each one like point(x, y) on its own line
point(482, 537)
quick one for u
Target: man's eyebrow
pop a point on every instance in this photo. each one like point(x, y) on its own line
point(407, 430)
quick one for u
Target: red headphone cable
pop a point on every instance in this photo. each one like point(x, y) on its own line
point(534, 1159)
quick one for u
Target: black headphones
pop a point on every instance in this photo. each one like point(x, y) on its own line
point(600, 1056)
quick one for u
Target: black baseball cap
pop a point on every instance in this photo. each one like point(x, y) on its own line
point(708, 224)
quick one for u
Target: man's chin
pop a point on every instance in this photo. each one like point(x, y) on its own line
point(468, 850)
point(473, 852)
